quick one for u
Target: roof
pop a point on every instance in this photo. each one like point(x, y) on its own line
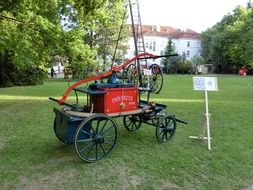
point(168, 31)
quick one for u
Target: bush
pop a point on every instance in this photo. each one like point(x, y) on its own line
point(29, 76)
point(184, 67)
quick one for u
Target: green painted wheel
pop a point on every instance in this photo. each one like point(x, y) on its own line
point(132, 123)
point(166, 128)
point(96, 138)
point(156, 81)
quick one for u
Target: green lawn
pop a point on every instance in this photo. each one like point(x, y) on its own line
point(31, 157)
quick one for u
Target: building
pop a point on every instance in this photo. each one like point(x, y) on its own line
point(156, 37)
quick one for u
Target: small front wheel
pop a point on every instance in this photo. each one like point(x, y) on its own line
point(96, 138)
point(132, 123)
point(166, 128)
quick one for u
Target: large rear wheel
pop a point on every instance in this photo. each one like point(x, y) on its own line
point(96, 138)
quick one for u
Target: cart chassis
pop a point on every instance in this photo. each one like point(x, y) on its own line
point(93, 131)
point(95, 135)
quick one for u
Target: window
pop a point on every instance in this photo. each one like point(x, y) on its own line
point(198, 44)
point(150, 45)
point(188, 54)
point(188, 43)
point(154, 45)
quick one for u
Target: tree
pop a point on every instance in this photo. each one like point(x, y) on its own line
point(206, 40)
point(29, 36)
point(100, 22)
point(196, 61)
point(168, 61)
point(249, 4)
point(227, 44)
point(33, 32)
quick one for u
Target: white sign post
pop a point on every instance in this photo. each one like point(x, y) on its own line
point(205, 84)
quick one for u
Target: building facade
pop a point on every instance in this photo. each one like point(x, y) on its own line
point(156, 37)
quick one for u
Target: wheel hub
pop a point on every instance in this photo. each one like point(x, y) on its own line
point(99, 139)
point(167, 129)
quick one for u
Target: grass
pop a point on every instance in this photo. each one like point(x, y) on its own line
point(31, 157)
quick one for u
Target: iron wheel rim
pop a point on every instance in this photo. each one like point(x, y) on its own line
point(166, 129)
point(132, 123)
point(156, 78)
point(96, 138)
point(132, 74)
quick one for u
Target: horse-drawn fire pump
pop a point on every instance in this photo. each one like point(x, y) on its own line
point(92, 127)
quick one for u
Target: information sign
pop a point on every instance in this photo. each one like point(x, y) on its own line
point(205, 83)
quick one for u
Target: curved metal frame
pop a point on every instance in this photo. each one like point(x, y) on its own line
point(104, 75)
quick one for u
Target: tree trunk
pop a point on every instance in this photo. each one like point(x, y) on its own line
point(2, 78)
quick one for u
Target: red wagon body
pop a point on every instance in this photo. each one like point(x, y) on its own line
point(115, 100)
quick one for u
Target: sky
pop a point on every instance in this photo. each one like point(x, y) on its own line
point(197, 15)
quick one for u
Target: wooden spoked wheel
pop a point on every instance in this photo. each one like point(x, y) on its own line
point(132, 122)
point(132, 73)
point(96, 138)
point(166, 128)
point(156, 81)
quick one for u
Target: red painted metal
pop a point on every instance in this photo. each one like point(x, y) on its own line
point(104, 75)
point(243, 71)
point(115, 100)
